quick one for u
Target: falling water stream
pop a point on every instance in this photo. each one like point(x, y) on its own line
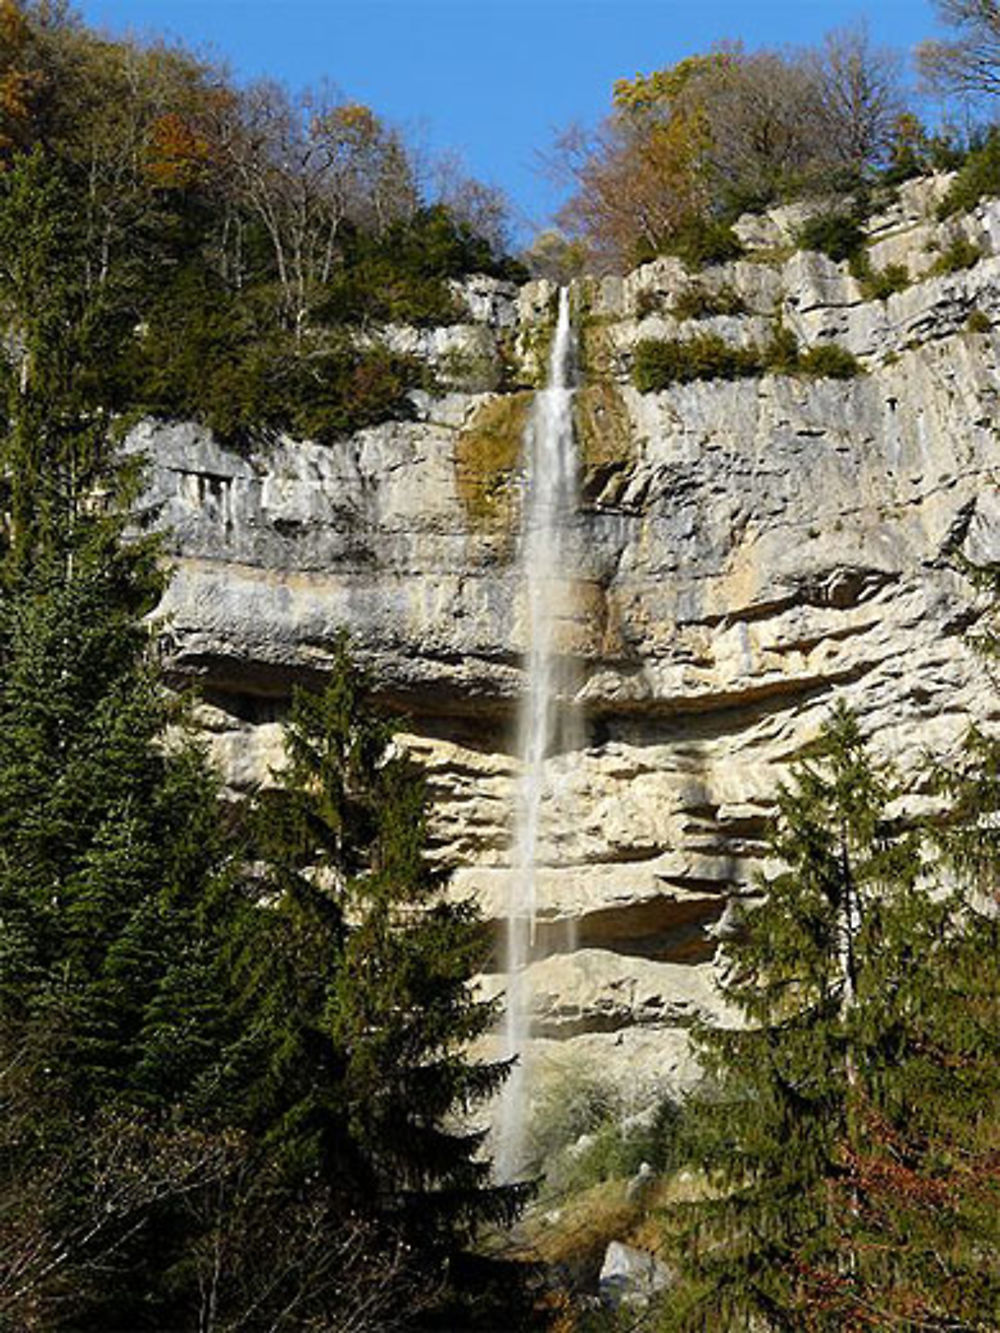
point(549, 507)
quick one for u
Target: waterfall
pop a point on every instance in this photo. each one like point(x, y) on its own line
point(548, 510)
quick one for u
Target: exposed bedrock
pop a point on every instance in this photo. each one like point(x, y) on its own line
point(745, 552)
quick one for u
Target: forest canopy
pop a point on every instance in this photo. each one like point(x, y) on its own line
point(253, 240)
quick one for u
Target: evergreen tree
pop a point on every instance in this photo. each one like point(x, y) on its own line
point(358, 974)
point(848, 1132)
point(822, 976)
point(108, 832)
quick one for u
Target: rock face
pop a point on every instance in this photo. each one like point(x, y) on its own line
point(745, 552)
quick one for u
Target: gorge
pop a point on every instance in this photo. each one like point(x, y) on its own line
point(747, 551)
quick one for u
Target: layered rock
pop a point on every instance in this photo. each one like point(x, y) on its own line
point(745, 552)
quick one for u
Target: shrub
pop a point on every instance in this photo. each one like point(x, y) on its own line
point(978, 322)
point(781, 355)
point(659, 362)
point(578, 1103)
point(697, 302)
point(960, 254)
point(829, 361)
point(837, 235)
point(701, 244)
point(579, 1134)
point(978, 177)
point(881, 283)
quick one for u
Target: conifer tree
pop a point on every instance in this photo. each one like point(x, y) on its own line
point(108, 834)
point(848, 1131)
point(786, 1090)
point(360, 973)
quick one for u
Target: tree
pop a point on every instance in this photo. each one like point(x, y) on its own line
point(785, 1090)
point(702, 140)
point(355, 982)
point(861, 91)
point(970, 63)
point(110, 840)
point(844, 1190)
point(306, 166)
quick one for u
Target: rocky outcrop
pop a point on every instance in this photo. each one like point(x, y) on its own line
point(745, 552)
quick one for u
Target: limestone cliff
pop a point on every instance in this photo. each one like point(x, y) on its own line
point(745, 551)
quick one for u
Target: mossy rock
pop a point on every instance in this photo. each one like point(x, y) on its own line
point(596, 352)
point(601, 422)
point(487, 454)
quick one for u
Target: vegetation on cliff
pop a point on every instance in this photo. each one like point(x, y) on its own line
point(234, 1069)
point(690, 147)
point(252, 243)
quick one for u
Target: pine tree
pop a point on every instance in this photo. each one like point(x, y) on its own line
point(359, 974)
point(109, 836)
point(848, 1132)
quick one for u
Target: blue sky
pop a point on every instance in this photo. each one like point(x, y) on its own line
point(494, 79)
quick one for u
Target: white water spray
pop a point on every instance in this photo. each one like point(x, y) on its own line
point(549, 505)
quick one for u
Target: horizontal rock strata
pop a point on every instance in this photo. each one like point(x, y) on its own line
point(745, 552)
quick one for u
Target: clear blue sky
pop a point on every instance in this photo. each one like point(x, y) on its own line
point(492, 78)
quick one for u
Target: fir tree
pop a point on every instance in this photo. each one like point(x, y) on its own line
point(848, 1132)
point(358, 974)
point(788, 1091)
point(109, 836)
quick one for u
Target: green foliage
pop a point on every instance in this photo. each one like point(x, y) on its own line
point(701, 244)
point(958, 255)
point(580, 1134)
point(659, 363)
point(829, 361)
point(837, 235)
point(978, 178)
point(202, 356)
point(978, 322)
point(781, 355)
point(359, 969)
point(697, 302)
point(830, 1127)
point(401, 276)
point(878, 284)
point(768, 1132)
point(231, 250)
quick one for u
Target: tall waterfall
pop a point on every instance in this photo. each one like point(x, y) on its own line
point(549, 505)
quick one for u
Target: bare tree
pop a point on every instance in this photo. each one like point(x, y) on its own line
point(764, 110)
point(285, 1261)
point(71, 1204)
point(484, 209)
point(861, 95)
point(304, 166)
point(970, 63)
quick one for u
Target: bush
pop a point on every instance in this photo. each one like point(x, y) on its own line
point(960, 254)
point(781, 355)
point(978, 322)
point(701, 244)
point(829, 361)
point(579, 1134)
point(697, 302)
point(661, 362)
point(978, 178)
point(879, 284)
point(836, 235)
